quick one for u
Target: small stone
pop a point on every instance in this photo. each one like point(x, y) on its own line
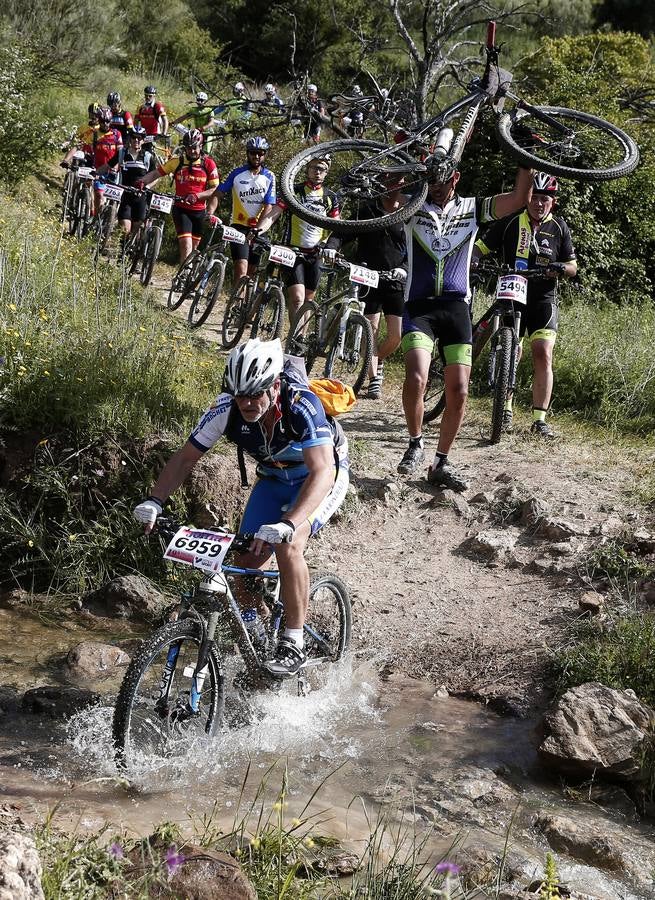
point(492, 543)
point(504, 477)
point(591, 602)
point(554, 530)
point(562, 549)
point(442, 692)
point(92, 659)
point(482, 499)
point(532, 510)
point(388, 491)
point(645, 542)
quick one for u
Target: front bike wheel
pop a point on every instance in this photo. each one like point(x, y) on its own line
point(80, 222)
point(574, 144)
point(329, 619)
point(150, 254)
point(269, 320)
point(434, 396)
point(236, 312)
point(349, 356)
point(356, 176)
point(153, 716)
point(503, 348)
point(183, 279)
point(206, 295)
point(303, 337)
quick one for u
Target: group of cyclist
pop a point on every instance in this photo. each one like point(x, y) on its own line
point(302, 454)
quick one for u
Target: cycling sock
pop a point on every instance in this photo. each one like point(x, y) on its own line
point(295, 635)
point(508, 404)
point(416, 441)
point(538, 415)
point(440, 459)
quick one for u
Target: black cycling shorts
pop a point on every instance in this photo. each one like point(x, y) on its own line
point(188, 222)
point(539, 321)
point(133, 208)
point(307, 271)
point(245, 251)
point(386, 298)
point(446, 321)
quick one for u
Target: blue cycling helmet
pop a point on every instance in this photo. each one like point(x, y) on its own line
point(257, 143)
point(137, 131)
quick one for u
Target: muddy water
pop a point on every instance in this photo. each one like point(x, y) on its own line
point(453, 767)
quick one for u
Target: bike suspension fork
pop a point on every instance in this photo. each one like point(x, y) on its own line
point(516, 350)
point(495, 330)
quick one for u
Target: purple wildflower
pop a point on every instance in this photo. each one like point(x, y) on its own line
point(116, 851)
point(448, 868)
point(173, 860)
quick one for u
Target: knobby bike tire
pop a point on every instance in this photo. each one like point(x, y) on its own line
point(325, 638)
point(151, 255)
point(357, 353)
point(269, 320)
point(132, 249)
point(205, 298)
point(82, 214)
point(294, 172)
point(304, 341)
point(434, 395)
point(182, 279)
point(124, 710)
point(595, 138)
point(503, 347)
point(236, 311)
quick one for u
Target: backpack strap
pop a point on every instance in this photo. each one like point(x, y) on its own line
point(285, 403)
point(241, 460)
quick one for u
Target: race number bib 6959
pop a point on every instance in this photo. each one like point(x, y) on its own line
point(512, 287)
point(362, 275)
point(199, 548)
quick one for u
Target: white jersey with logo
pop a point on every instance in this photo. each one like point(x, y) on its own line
point(250, 193)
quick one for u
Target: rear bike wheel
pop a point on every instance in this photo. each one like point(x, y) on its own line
point(303, 337)
point(355, 175)
point(185, 277)
point(349, 356)
point(150, 253)
point(329, 618)
point(434, 396)
point(206, 295)
point(236, 312)
point(153, 716)
point(269, 320)
point(80, 226)
point(503, 348)
point(574, 145)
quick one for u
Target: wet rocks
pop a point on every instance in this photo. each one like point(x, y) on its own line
point(206, 875)
point(20, 868)
point(596, 729)
point(57, 702)
point(128, 597)
point(583, 842)
point(92, 659)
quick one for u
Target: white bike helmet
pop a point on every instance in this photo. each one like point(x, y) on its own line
point(312, 87)
point(253, 367)
point(357, 91)
point(201, 97)
point(239, 88)
point(269, 89)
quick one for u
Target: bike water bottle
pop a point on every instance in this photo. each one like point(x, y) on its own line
point(442, 145)
point(254, 626)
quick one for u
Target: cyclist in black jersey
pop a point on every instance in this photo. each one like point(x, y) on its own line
point(137, 162)
point(530, 239)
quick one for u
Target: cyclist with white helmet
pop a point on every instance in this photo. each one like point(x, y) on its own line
point(202, 117)
point(252, 189)
point(302, 469)
point(137, 161)
point(529, 239)
point(317, 114)
point(237, 109)
point(271, 97)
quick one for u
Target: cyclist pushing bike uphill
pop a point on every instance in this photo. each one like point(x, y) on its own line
point(302, 468)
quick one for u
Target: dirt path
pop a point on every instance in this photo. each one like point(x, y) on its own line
point(429, 598)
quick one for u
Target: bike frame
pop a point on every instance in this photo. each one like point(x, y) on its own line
point(334, 312)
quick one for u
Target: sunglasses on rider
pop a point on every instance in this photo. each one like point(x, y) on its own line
point(257, 396)
point(257, 152)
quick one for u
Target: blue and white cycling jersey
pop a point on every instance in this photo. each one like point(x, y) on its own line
point(281, 457)
point(250, 193)
point(439, 247)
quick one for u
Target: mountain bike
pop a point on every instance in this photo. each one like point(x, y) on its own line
point(258, 301)
point(210, 277)
point(78, 199)
point(105, 220)
point(564, 142)
point(335, 328)
point(191, 271)
point(500, 324)
point(144, 241)
point(174, 688)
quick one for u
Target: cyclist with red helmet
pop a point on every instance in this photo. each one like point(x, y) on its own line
point(529, 239)
point(196, 179)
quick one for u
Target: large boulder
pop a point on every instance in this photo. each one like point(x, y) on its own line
point(20, 868)
point(583, 842)
point(596, 729)
point(92, 659)
point(57, 702)
point(127, 597)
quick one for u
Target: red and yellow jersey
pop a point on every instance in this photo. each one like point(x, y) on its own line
point(86, 138)
point(191, 177)
point(148, 116)
point(106, 146)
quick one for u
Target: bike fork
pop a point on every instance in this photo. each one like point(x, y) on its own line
point(200, 671)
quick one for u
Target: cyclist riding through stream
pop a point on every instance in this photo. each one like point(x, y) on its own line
point(302, 468)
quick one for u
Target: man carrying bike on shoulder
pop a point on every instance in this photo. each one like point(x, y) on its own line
point(196, 178)
point(252, 188)
point(303, 278)
point(535, 238)
point(440, 241)
point(302, 468)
